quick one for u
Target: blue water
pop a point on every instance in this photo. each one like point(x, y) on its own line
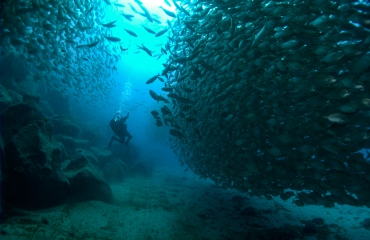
point(173, 203)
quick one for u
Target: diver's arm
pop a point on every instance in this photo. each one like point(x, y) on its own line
point(125, 118)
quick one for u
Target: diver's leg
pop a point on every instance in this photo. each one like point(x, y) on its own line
point(117, 139)
point(111, 140)
point(120, 140)
point(129, 137)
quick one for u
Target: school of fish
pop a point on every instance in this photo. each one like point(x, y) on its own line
point(268, 97)
point(64, 41)
point(272, 97)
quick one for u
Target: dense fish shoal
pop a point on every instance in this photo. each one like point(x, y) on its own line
point(272, 98)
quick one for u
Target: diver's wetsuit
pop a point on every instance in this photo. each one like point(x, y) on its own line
point(119, 127)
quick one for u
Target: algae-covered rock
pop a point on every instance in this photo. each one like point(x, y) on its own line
point(65, 125)
point(34, 177)
point(116, 171)
point(87, 181)
point(5, 99)
point(91, 131)
point(14, 118)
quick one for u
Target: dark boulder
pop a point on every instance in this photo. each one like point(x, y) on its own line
point(318, 221)
point(68, 142)
point(14, 75)
point(16, 98)
point(60, 146)
point(2, 157)
point(285, 232)
point(89, 155)
point(120, 150)
point(31, 100)
point(5, 98)
point(59, 102)
point(34, 177)
point(73, 145)
point(91, 131)
point(66, 125)
point(103, 156)
point(115, 172)
point(309, 229)
point(237, 199)
point(366, 223)
point(14, 118)
point(140, 168)
point(82, 143)
point(87, 181)
point(249, 211)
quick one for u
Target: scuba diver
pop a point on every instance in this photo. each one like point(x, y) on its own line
point(119, 127)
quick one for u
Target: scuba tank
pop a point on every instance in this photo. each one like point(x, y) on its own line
point(117, 116)
point(114, 123)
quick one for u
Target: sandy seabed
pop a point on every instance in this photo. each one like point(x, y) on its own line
point(173, 204)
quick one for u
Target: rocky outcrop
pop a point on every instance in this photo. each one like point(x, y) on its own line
point(92, 132)
point(31, 168)
point(87, 181)
point(32, 100)
point(2, 156)
point(16, 98)
point(14, 118)
point(89, 156)
point(14, 75)
point(82, 143)
point(59, 103)
point(68, 142)
point(116, 171)
point(34, 177)
point(5, 99)
point(141, 168)
point(103, 156)
point(65, 125)
point(72, 145)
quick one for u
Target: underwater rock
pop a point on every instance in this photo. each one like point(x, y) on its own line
point(5, 99)
point(267, 211)
point(46, 109)
point(16, 98)
point(318, 221)
point(87, 181)
point(120, 150)
point(34, 177)
point(286, 232)
point(12, 121)
point(15, 75)
point(91, 131)
point(10, 69)
point(141, 168)
point(60, 146)
point(66, 125)
point(58, 102)
point(102, 155)
point(366, 223)
point(237, 199)
point(309, 228)
point(82, 143)
point(249, 211)
point(115, 172)
point(88, 155)
point(68, 142)
point(1, 162)
point(71, 144)
point(31, 100)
